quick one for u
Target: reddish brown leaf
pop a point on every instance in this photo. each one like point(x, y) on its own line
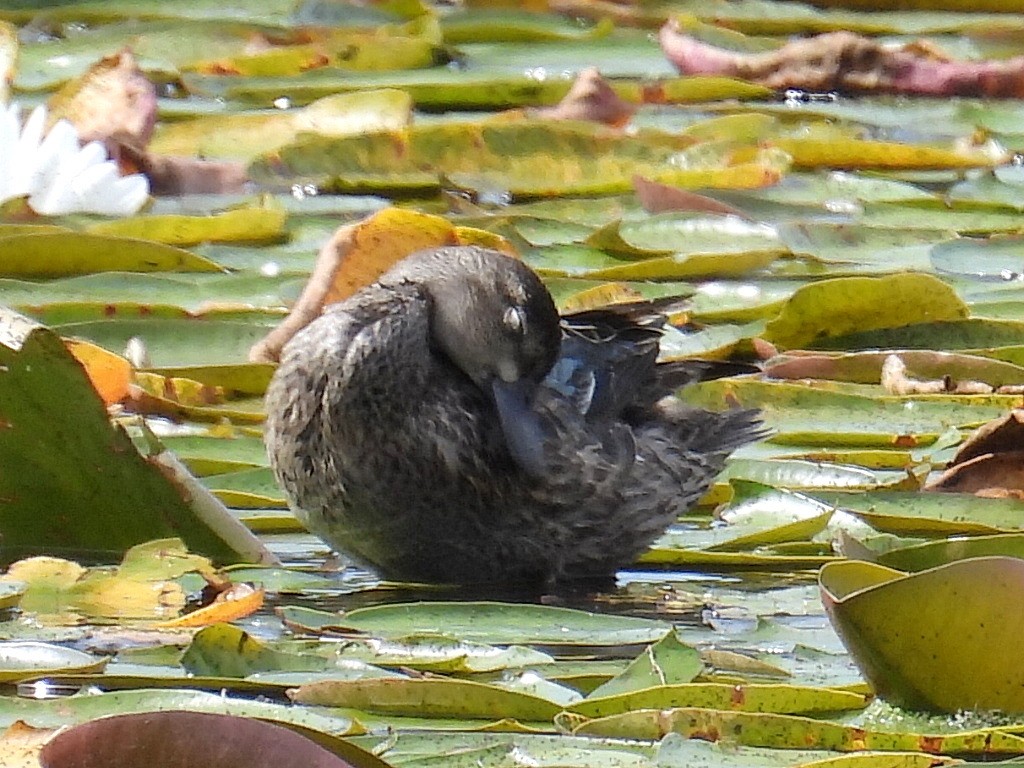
point(657, 198)
point(991, 474)
point(112, 99)
point(997, 436)
point(590, 98)
point(179, 175)
point(184, 739)
point(844, 61)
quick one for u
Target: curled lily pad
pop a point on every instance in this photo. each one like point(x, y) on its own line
point(941, 640)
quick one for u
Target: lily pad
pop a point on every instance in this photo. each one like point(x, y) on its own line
point(57, 254)
point(28, 660)
point(104, 494)
point(490, 622)
point(835, 307)
point(938, 640)
point(528, 158)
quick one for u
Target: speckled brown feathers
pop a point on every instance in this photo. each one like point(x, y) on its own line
point(441, 426)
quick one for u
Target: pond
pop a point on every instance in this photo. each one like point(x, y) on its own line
point(862, 250)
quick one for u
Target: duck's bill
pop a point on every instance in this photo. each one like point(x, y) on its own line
point(521, 424)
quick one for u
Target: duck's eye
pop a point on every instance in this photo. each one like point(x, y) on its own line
point(515, 320)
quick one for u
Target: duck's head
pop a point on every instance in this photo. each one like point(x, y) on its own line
point(491, 316)
point(490, 313)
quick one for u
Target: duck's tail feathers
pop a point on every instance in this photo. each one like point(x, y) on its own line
point(715, 432)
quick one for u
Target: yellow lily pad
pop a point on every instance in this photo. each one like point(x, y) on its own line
point(845, 152)
point(785, 699)
point(763, 729)
point(243, 136)
point(54, 254)
point(530, 158)
point(260, 223)
point(842, 305)
point(943, 639)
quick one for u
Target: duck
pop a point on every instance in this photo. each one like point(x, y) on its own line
point(445, 424)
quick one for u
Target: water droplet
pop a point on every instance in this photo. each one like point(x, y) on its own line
point(283, 102)
point(494, 197)
point(843, 206)
point(136, 352)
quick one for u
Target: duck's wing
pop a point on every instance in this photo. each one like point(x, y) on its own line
point(569, 427)
point(607, 360)
point(606, 380)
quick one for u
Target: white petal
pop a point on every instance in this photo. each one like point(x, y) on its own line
point(27, 152)
point(93, 181)
point(58, 148)
point(10, 128)
point(123, 197)
point(55, 200)
point(133, 191)
point(92, 153)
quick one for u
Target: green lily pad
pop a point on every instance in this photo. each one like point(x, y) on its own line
point(531, 158)
point(666, 662)
point(835, 307)
point(935, 553)
point(489, 622)
point(175, 342)
point(28, 660)
point(56, 254)
point(915, 636)
point(222, 650)
point(866, 367)
point(930, 514)
point(118, 496)
point(68, 710)
point(437, 697)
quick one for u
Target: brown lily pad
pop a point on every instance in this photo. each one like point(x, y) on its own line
point(658, 198)
point(172, 739)
point(997, 436)
point(113, 99)
point(844, 61)
point(170, 175)
point(990, 474)
point(990, 462)
point(590, 98)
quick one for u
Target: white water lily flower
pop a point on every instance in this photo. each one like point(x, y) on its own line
point(57, 173)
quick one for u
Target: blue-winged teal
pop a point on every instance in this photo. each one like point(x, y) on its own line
point(445, 425)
